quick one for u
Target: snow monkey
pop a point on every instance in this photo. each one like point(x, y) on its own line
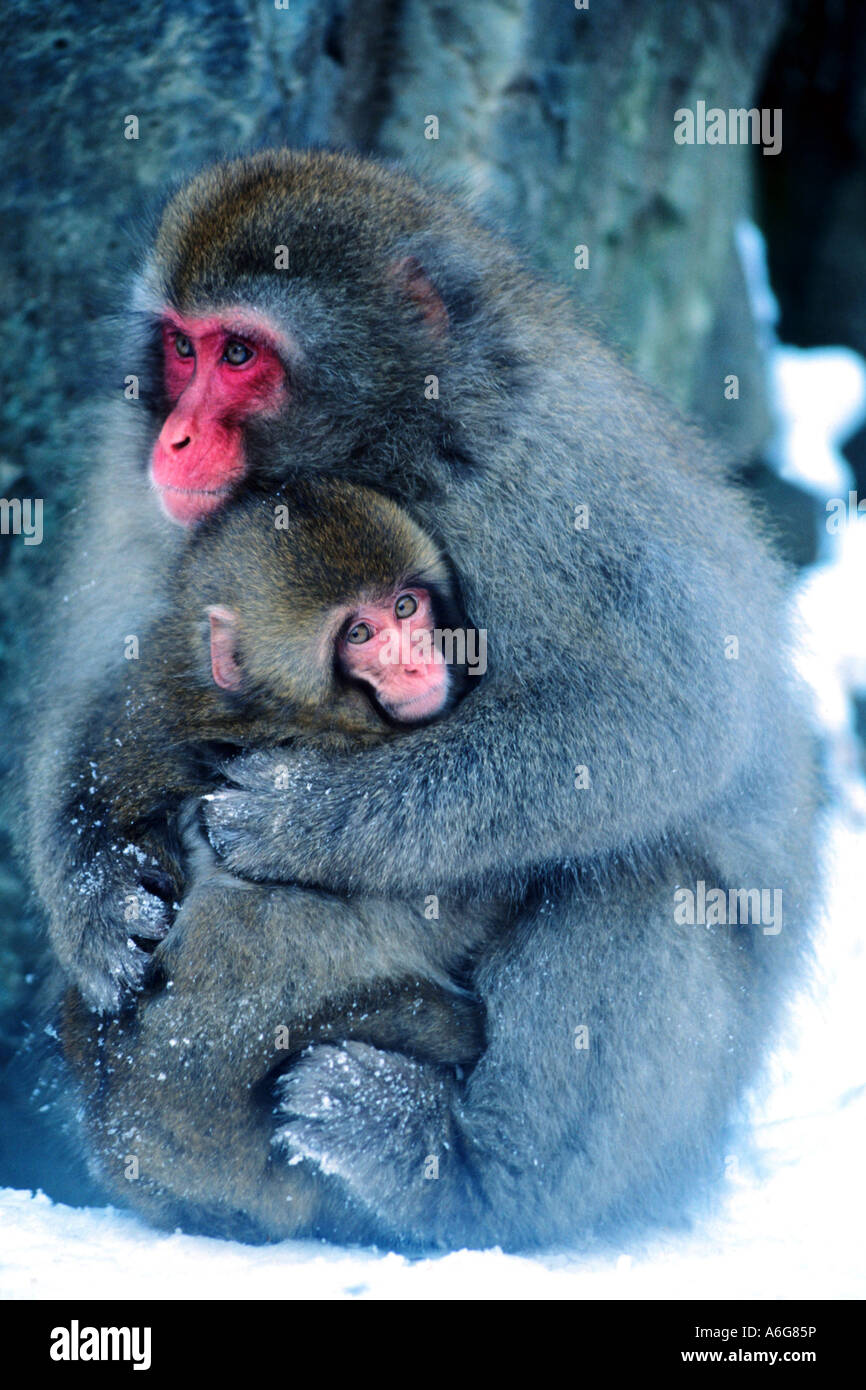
point(637, 730)
point(320, 615)
point(294, 618)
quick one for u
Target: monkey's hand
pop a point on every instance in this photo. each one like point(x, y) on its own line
point(440, 808)
point(110, 915)
point(387, 1128)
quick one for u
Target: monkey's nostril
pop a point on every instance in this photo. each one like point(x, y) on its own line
point(182, 443)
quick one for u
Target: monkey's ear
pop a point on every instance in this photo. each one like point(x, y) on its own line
point(223, 648)
point(413, 282)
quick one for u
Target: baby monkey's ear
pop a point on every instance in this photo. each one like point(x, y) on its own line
point(224, 662)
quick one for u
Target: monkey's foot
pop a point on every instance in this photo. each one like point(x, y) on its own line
point(378, 1121)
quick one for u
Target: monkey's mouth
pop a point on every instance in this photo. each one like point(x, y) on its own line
point(416, 708)
point(186, 505)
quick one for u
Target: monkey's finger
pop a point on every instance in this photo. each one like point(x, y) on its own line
point(223, 817)
point(303, 1141)
point(158, 883)
point(151, 919)
point(118, 970)
point(254, 770)
point(317, 1126)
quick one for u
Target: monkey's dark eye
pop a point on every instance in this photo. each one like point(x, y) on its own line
point(405, 606)
point(236, 354)
point(182, 345)
point(361, 632)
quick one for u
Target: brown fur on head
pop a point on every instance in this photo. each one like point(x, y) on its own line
point(291, 567)
point(322, 206)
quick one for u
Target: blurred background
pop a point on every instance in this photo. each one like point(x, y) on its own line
point(704, 261)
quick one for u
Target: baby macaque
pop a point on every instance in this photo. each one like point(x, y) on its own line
point(314, 617)
point(309, 616)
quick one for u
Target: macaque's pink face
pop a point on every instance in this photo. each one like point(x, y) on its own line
point(390, 647)
point(218, 372)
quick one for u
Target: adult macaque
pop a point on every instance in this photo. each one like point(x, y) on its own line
point(636, 731)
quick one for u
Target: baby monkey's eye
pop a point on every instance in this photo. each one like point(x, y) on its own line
point(361, 632)
point(236, 354)
point(405, 606)
point(182, 345)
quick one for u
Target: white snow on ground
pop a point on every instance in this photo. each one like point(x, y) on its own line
point(792, 1221)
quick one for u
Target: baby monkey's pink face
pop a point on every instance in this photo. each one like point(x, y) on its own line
point(390, 647)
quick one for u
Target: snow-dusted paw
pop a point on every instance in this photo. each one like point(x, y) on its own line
point(113, 962)
point(368, 1117)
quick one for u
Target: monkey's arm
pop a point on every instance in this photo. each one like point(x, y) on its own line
point(489, 792)
point(106, 852)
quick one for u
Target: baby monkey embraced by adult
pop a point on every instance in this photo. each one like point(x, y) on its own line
point(321, 616)
point(637, 731)
point(318, 615)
